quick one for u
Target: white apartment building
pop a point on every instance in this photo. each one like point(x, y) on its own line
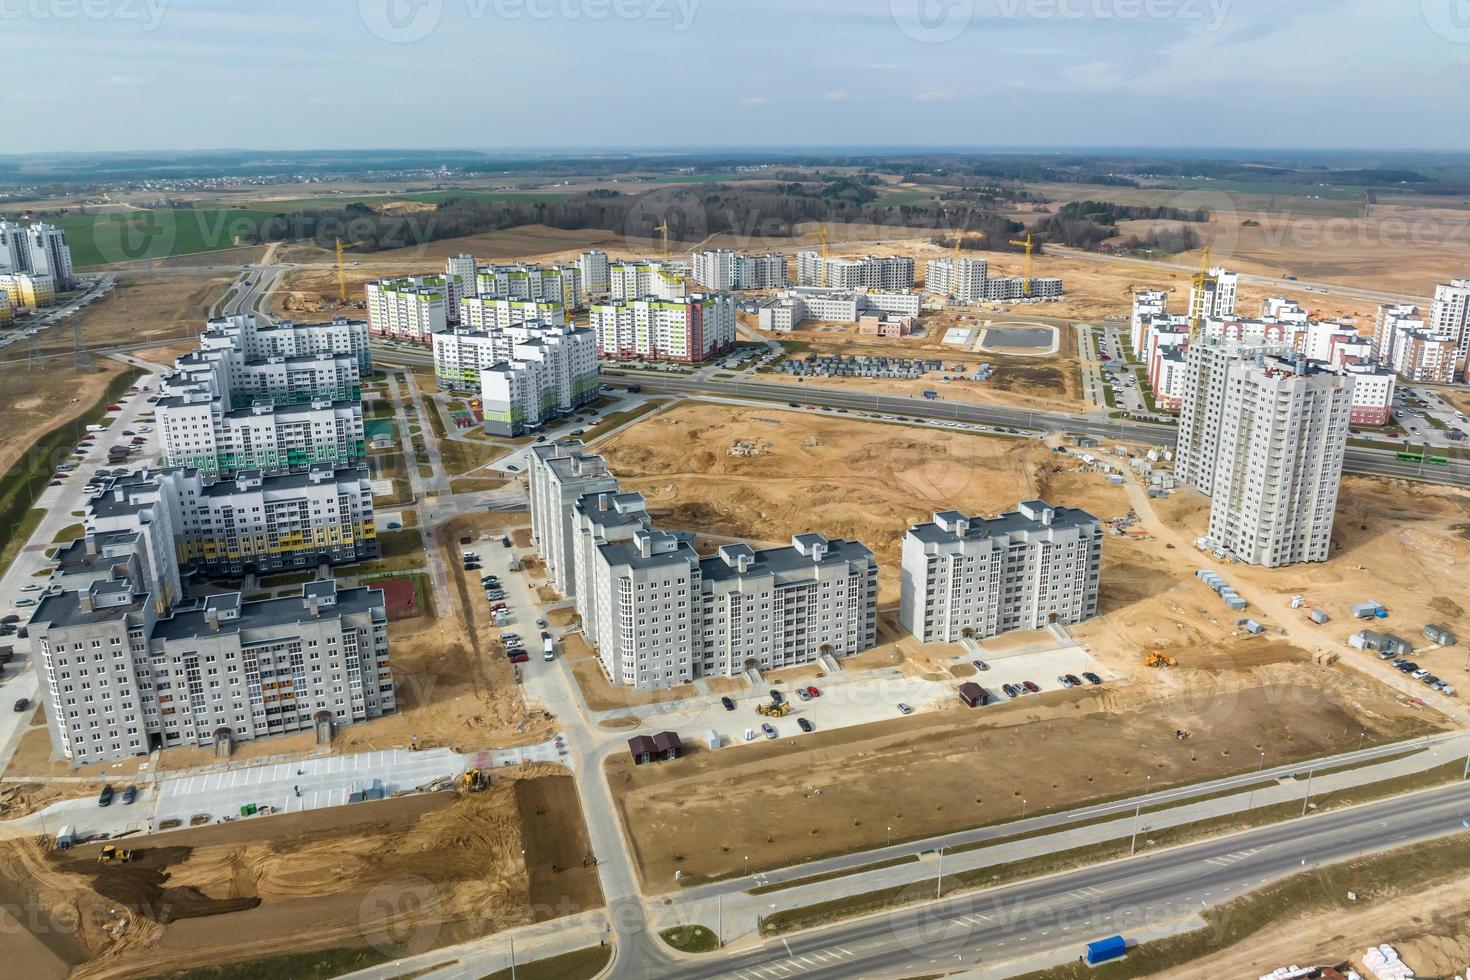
point(790, 308)
point(975, 577)
point(1449, 319)
point(560, 284)
point(560, 473)
point(1264, 436)
point(227, 375)
point(119, 679)
point(602, 517)
point(1215, 297)
point(197, 431)
point(1279, 309)
point(962, 280)
point(689, 330)
point(37, 249)
point(1148, 305)
point(594, 267)
point(262, 341)
point(889, 273)
point(632, 280)
point(550, 372)
point(411, 308)
point(725, 269)
point(492, 313)
point(463, 271)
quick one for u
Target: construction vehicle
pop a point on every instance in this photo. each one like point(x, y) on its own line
point(1157, 659)
point(112, 854)
point(473, 780)
point(774, 710)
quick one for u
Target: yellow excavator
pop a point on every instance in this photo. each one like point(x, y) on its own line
point(774, 710)
point(112, 854)
point(1157, 659)
point(473, 780)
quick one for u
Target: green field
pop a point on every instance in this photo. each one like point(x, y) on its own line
point(125, 236)
point(422, 197)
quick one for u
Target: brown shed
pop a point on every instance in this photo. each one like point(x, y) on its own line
point(667, 745)
point(973, 694)
point(641, 748)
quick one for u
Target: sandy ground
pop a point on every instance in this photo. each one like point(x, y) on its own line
point(422, 871)
point(843, 477)
point(1431, 933)
point(38, 400)
point(837, 791)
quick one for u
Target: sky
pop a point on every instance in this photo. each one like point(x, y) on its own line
point(89, 75)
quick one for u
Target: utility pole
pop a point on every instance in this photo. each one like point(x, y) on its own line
point(1133, 842)
point(512, 959)
point(1308, 796)
point(722, 920)
point(939, 882)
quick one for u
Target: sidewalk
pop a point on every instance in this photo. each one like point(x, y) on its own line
point(482, 957)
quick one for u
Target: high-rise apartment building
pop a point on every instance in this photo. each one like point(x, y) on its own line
point(889, 272)
point(594, 266)
point(37, 249)
point(411, 308)
point(690, 330)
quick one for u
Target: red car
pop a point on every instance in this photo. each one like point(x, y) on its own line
point(1030, 687)
point(520, 658)
point(114, 408)
point(813, 692)
point(1103, 357)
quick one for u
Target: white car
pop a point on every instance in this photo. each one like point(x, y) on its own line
point(27, 601)
point(33, 587)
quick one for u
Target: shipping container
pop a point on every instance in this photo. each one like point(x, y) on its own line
point(973, 694)
point(1318, 616)
point(1106, 949)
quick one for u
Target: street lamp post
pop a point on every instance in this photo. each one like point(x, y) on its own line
point(1308, 795)
point(1252, 798)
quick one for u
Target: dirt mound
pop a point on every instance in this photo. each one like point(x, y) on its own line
point(142, 885)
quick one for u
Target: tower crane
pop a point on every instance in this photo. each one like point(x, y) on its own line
point(663, 230)
point(1026, 280)
point(341, 277)
point(1197, 297)
point(826, 238)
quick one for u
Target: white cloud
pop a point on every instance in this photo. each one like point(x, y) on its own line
point(754, 100)
point(933, 95)
point(836, 95)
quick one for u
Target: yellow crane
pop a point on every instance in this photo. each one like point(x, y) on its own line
point(663, 229)
point(826, 238)
point(341, 276)
point(1196, 298)
point(1027, 244)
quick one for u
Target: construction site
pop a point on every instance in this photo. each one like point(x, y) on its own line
point(1196, 694)
point(402, 876)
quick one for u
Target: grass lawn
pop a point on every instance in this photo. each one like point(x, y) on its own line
point(460, 456)
point(691, 939)
point(297, 966)
point(125, 236)
point(69, 533)
point(422, 197)
point(610, 422)
point(581, 964)
point(286, 578)
point(401, 550)
point(23, 531)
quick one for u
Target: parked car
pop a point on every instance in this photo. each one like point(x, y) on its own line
point(25, 601)
point(1062, 680)
point(1091, 677)
point(769, 729)
point(814, 692)
point(105, 797)
point(728, 703)
point(394, 526)
point(979, 665)
point(12, 618)
point(801, 693)
point(1030, 687)
point(776, 696)
point(1397, 662)
point(129, 795)
point(750, 734)
point(804, 724)
point(1385, 654)
point(1073, 681)
point(1420, 674)
point(904, 709)
point(22, 704)
point(31, 587)
point(1009, 690)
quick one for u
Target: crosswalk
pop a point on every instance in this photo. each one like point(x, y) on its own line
point(1225, 860)
point(797, 964)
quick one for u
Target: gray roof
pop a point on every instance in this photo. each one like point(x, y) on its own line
point(64, 608)
point(628, 553)
point(784, 561)
point(1011, 521)
point(185, 623)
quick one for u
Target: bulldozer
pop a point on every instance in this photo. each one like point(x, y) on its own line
point(1157, 659)
point(473, 780)
point(774, 710)
point(112, 854)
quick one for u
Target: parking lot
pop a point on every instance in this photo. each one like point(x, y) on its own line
point(861, 697)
